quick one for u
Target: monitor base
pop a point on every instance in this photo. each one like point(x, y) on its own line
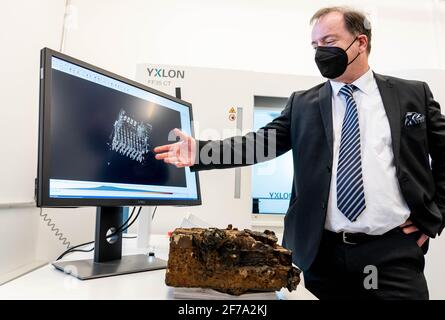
point(88, 269)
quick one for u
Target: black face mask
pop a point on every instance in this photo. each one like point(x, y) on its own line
point(333, 61)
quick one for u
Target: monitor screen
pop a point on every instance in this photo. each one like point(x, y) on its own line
point(99, 135)
point(271, 180)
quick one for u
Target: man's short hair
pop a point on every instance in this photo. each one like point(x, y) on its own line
point(356, 21)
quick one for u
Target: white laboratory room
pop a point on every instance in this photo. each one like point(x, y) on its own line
point(223, 158)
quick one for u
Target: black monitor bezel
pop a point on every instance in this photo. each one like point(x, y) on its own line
point(44, 141)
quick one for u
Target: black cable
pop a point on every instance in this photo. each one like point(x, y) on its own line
point(153, 215)
point(72, 249)
point(80, 250)
point(123, 225)
point(119, 229)
point(134, 220)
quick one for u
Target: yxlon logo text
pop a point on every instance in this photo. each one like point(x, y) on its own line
point(163, 73)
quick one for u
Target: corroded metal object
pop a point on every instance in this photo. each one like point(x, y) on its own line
point(229, 260)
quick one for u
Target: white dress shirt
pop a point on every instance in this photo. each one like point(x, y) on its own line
point(385, 206)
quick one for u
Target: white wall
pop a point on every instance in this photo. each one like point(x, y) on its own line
point(267, 36)
point(25, 27)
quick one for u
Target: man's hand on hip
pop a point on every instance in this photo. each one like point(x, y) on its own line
point(181, 154)
point(408, 227)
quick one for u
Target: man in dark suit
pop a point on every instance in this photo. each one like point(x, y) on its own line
point(369, 169)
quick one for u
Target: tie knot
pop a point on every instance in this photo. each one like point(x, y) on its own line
point(348, 89)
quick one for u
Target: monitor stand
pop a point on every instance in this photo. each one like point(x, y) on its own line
point(108, 260)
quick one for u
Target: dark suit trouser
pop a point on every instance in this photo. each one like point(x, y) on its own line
point(338, 271)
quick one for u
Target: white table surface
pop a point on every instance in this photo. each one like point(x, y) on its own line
point(49, 283)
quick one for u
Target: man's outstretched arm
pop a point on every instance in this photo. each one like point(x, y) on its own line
point(269, 142)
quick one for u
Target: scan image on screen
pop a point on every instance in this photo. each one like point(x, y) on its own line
point(103, 133)
point(131, 138)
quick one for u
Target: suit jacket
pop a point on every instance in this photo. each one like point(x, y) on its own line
point(305, 127)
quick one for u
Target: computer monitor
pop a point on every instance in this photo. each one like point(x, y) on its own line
point(97, 131)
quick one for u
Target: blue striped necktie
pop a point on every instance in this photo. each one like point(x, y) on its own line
point(350, 193)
